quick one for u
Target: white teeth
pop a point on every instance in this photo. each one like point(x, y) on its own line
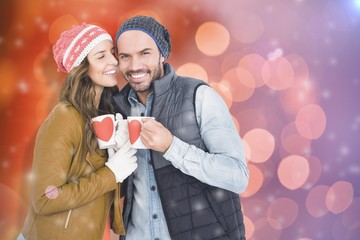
point(138, 75)
point(111, 72)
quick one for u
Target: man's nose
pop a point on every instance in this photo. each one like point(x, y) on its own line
point(135, 63)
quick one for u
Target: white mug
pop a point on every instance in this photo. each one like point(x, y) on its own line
point(134, 126)
point(105, 127)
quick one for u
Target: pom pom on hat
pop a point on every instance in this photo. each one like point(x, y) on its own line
point(151, 27)
point(75, 44)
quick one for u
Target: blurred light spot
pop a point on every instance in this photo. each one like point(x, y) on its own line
point(43, 108)
point(278, 73)
point(338, 229)
point(245, 77)
point(240, 82)
point(212, 38)
point(275, 54)
point(8, 82)
point(262, 144)
point(250, 119)
point(302, 92)
point(357, 3)
point(315, 172)
point(23, 86)
point(51, 192)
point(5, 164)
point(38, 19)
point(256, 180)
point(331, 136)
point(255, 208)
point(44, 69)
point(268, 169)
point(354, 169)
point(292, 141)
point(13, 149)
point(249, 226)
point(192, 70)
point(355, 123)
point(344, 151)
point(333, 61)
point(265, 230)
point(30, 176)
point(11, 206)
point(311, 121)
point(61, 24)
point(253, 63)
point(315, 201)
point(41, 24)
point(350, 218)
point(18, 42)
point(198, 205)
point(246, 27)
point(230, 60)
point(339, 196)
point(224, 92)
point(284, 211)
point(338, 16)
point(293, 171)
point(274, 42)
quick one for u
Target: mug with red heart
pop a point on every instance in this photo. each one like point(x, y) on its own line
point(104, 127)
point(134, 126)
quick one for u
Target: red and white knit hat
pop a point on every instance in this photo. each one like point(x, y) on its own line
point(75, 44)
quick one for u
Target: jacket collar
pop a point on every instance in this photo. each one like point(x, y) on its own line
point(163, 84)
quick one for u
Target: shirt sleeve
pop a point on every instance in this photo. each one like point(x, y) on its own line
point(224, 164)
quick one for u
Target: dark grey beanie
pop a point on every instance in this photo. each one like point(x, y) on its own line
point(150, 26)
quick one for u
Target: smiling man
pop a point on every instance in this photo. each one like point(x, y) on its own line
point(188, 181)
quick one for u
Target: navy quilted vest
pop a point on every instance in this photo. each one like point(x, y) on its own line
point(193, 210)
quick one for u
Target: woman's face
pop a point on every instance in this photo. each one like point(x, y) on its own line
point(103, 66)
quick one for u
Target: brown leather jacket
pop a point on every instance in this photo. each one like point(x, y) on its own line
point(85, 187)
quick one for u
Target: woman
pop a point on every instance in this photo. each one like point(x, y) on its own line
point(74, 185)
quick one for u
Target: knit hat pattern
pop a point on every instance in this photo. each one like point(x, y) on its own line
point(75, 44)
point(151, 27)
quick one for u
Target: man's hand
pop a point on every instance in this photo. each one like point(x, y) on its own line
point(155, 136)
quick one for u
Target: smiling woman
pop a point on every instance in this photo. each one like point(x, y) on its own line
point(68, 166)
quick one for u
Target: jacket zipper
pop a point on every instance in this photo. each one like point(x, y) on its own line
point(67, 219)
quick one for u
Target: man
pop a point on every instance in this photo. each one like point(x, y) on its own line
point(187, 184)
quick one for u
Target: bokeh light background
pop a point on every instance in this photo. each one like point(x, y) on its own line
point(287, 69)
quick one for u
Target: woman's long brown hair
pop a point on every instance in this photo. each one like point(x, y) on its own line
point(78, 89)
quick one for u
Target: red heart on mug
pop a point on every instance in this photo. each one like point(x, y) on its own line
point(134, 130)
point(104, 128)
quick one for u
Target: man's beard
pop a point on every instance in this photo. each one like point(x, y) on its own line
point(147, 86)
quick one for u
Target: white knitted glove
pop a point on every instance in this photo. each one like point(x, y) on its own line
point(121, 131)
point(123, 162)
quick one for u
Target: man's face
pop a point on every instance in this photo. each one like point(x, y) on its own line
point(140, 60)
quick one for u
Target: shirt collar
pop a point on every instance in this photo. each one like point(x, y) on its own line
point(132, 97)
